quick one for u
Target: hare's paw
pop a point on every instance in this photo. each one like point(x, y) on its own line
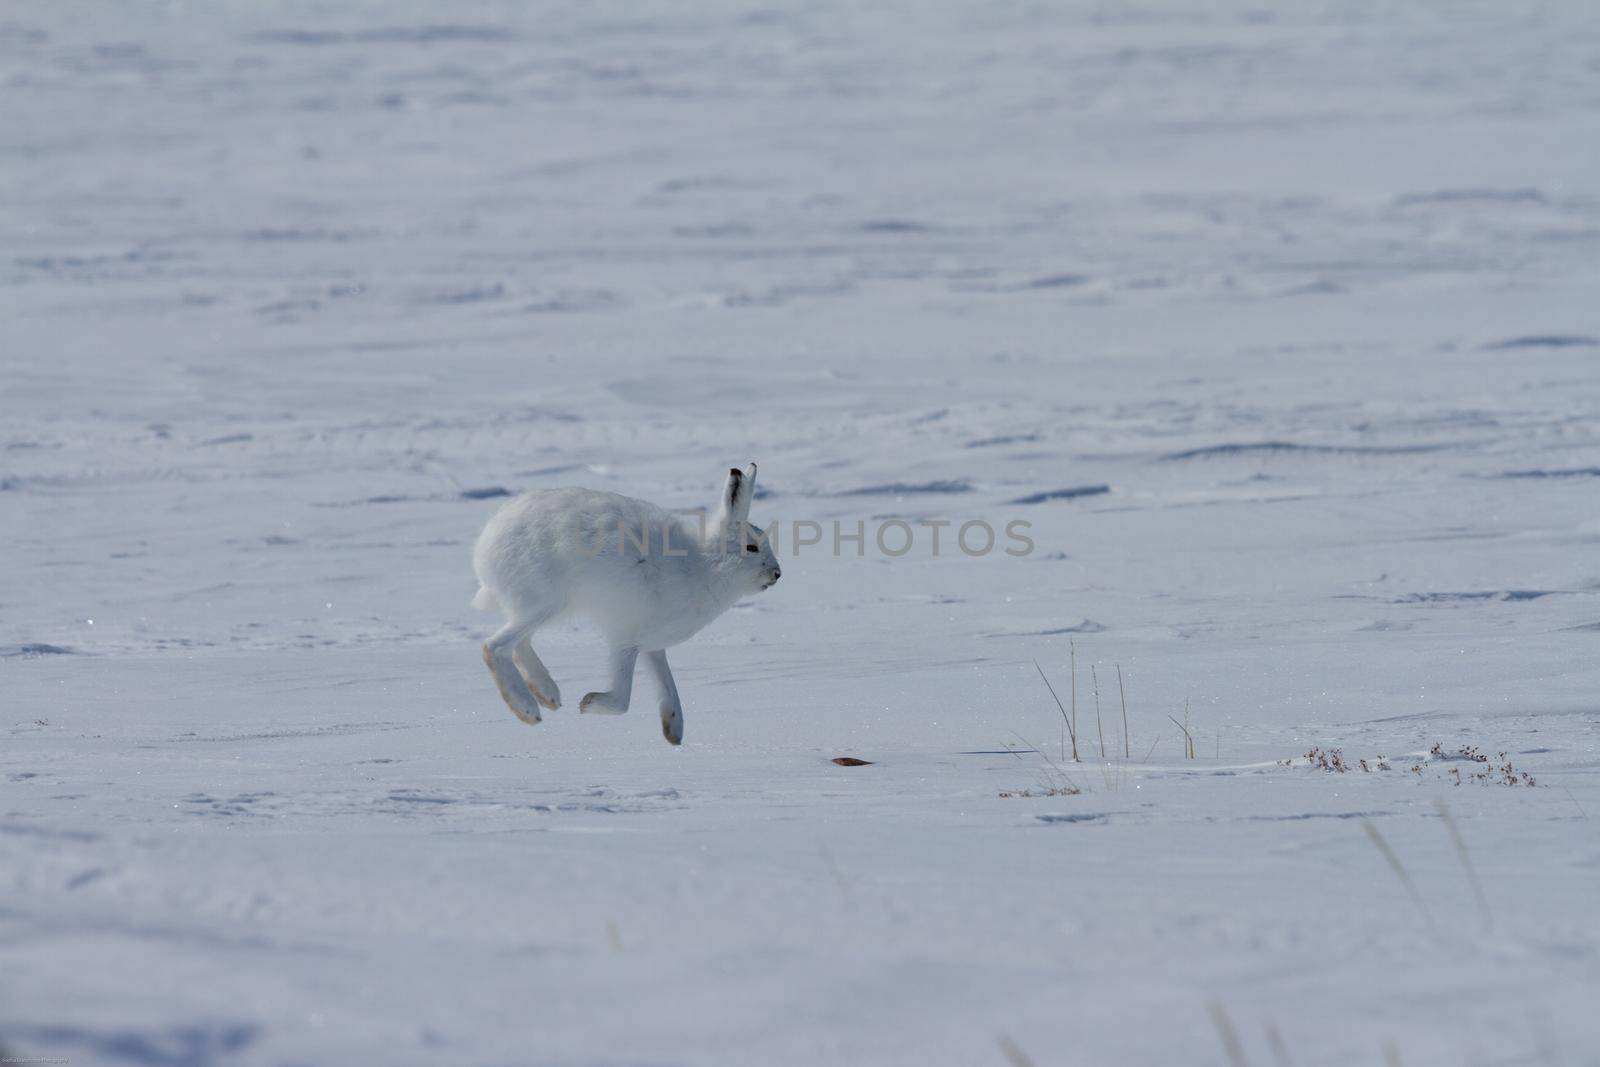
point(540, 684)
point(549, 697)
point(601, 704)
point(528, 714)
point(672, 723)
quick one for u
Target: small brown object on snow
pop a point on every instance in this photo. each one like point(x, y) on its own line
point(851, 761)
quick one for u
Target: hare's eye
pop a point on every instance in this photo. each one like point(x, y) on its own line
point(751, 548)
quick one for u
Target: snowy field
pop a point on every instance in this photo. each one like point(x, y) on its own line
point(290, 291)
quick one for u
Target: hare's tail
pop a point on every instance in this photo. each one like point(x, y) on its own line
point(485, 600)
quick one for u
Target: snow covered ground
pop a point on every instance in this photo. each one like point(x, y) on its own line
point(288, 290)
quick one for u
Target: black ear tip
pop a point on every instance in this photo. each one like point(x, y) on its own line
point(735, 473)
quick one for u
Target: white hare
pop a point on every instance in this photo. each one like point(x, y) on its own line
point(647, 578)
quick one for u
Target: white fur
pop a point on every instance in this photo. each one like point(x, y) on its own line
point(647, 577)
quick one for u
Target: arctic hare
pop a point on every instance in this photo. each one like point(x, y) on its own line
point(647, 578)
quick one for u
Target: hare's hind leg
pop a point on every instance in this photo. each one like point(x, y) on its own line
point(671, 707)
point(615, 700)
point(499, 657)
point(543, 687)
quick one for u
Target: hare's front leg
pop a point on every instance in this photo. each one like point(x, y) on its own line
point(671, 708)
point(615, 700)
point(534, 672)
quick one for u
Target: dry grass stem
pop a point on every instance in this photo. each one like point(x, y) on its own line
point(1227, 1034)
point(1123, 693)
point(1072, 723)
point(1466, 860)
point(1395, 865)
point(1097, 724)
point(1575, 802)
point(833, 868)
point(1061, 785)
point(1013, 1054)
point(1072, 647)
point(1280, 1048)
point(1188, 742)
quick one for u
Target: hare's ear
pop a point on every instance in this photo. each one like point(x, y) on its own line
point(736, 495)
